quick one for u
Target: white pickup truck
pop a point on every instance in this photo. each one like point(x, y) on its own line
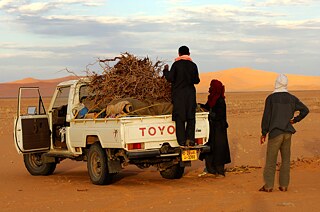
point(107, 144)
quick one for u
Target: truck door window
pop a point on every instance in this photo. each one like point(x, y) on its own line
point(86, 97)
point(31, 102)
point(62, 97)
point(84, 91)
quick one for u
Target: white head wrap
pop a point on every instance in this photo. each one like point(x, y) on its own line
point(281, 84)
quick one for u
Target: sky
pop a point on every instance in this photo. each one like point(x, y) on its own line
point(43, 39)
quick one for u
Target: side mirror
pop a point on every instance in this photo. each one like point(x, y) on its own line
point(32, 110)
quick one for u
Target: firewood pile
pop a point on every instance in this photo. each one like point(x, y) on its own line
point(130, 77)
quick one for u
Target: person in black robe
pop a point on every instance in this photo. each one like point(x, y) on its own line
point(219, 154)
point(183, 75)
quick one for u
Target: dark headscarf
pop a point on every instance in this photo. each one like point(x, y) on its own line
point(216, 90)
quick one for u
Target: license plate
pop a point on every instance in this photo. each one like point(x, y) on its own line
point(189, 155)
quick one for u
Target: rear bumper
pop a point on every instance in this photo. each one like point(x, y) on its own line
point(203, 149)
point(143, 154)
point(155, 153)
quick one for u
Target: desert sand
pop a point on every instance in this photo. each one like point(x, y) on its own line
point(69, 188)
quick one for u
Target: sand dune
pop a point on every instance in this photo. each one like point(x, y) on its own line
point(30, 80)
point(247, 79)
point(10, 89)
point(235, 80)
point(26, 81)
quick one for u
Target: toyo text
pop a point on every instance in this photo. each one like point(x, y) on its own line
point(152, 131)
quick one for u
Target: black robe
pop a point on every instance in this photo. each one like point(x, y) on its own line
point(183, 75)
point(218, 138)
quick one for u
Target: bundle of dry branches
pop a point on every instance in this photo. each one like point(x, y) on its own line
point(130, 77)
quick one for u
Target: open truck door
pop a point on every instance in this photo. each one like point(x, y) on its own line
point(31, 128)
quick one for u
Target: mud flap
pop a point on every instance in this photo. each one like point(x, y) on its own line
point(185, 163)
point(114, 166)
point(48, 159)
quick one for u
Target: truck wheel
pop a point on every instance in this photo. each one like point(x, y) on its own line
point(173, 172)
point(35, 165)
point(97, 166)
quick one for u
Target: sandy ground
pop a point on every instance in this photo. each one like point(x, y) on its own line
point(134, 189)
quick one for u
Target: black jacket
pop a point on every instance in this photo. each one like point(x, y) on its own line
point(183, 75)
point(279, 110)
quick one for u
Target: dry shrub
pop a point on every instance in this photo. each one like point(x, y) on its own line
point(130, 77)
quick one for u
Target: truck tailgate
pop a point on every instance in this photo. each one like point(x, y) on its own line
point(156, 130)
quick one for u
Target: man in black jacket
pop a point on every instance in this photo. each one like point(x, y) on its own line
point(277, 120)
point(183, 75)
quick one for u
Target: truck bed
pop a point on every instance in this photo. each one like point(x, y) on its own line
point(152, 131)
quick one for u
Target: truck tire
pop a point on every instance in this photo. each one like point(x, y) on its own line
point(173, 172)
point(35, 165)
point(97, 166)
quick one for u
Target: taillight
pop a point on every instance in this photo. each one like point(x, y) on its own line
point(199, 141)
point(135, 146)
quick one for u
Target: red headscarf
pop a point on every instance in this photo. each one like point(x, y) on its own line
point(216, 90)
